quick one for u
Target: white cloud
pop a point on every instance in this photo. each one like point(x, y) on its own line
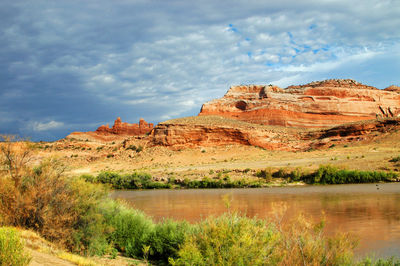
point(44, 126)
point(163, 59)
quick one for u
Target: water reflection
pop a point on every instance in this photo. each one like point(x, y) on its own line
point(370, 213)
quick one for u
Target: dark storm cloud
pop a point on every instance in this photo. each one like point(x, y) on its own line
point(73, 65)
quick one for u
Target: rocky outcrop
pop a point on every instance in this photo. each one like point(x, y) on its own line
point(216, 131)
point(317, 104)
point(119, 131)
point(122, 128)
point(203, 131)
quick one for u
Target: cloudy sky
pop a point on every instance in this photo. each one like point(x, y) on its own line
point(70, 65)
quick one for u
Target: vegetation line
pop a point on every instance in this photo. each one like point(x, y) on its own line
point(325, 174)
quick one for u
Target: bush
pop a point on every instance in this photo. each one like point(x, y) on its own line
point(303, 243)
point(129, 181)
point(62, 210)
point(331, 175)
point(392, 261)
point(296, 174)
point(91, 231)
point(395, 159)
point(229, 240)
point(132, 228)
point(167, 237)
point(12, 248)
point(265, 174)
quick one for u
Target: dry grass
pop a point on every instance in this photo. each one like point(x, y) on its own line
point(44, 252)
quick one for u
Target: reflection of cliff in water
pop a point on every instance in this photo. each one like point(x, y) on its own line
point(370, 211)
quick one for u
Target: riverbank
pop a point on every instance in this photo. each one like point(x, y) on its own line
point(325, 174)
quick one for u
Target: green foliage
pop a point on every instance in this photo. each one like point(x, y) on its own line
point(131, 147)
point(167, 237)
point(281, 173)
point(296, 174)
point(92, 231)
point(12, 248)
point(395, 159)
point(379, 262)
point(328, 174)
point(132, 228)
point(134, 180)
point(229, 240)
point(138, 180)
point(265, 174)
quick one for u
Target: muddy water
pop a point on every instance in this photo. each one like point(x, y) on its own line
point(370, 211)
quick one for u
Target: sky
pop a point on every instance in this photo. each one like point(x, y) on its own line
point(70, 65)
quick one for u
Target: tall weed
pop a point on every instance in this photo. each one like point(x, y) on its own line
point(12, 248)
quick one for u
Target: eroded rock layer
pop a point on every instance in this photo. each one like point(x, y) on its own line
point(317, 104)
point(203, 131)
point(122, 128)
point(206, 131)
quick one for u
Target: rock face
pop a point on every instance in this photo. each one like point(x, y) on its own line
point(206, 131)
point(119, 130)
point(216, 131)
point(122, 128)
point(317, 104)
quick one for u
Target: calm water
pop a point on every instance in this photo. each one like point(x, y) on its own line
point(370, 211)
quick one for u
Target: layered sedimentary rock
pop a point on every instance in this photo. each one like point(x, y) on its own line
point(122, 128)
point(119, 130)
point(206, 131)
point(215, 131)
point(317, 104)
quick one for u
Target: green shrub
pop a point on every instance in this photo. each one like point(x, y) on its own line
point(395, 159)
point(167, 237)
point(139, 149)
point(281, 173)
point(297, 174)
point(12, 248)
point(132, 147)
point(265, 174)
point(91, 231)
point(89, 178)
point(229, 240)
point(129, 181)
point(328, 174)
point(379, 262)
point(132, 228)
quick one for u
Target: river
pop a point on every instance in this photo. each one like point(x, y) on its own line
point(369, 211)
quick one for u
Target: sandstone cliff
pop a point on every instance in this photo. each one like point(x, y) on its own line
point(206, 131)
point(215, 131)
point(317, 104)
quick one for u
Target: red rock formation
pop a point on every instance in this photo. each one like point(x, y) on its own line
point(119, 130)
point(122, 128)
point(217, 131)
point(317, 104)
